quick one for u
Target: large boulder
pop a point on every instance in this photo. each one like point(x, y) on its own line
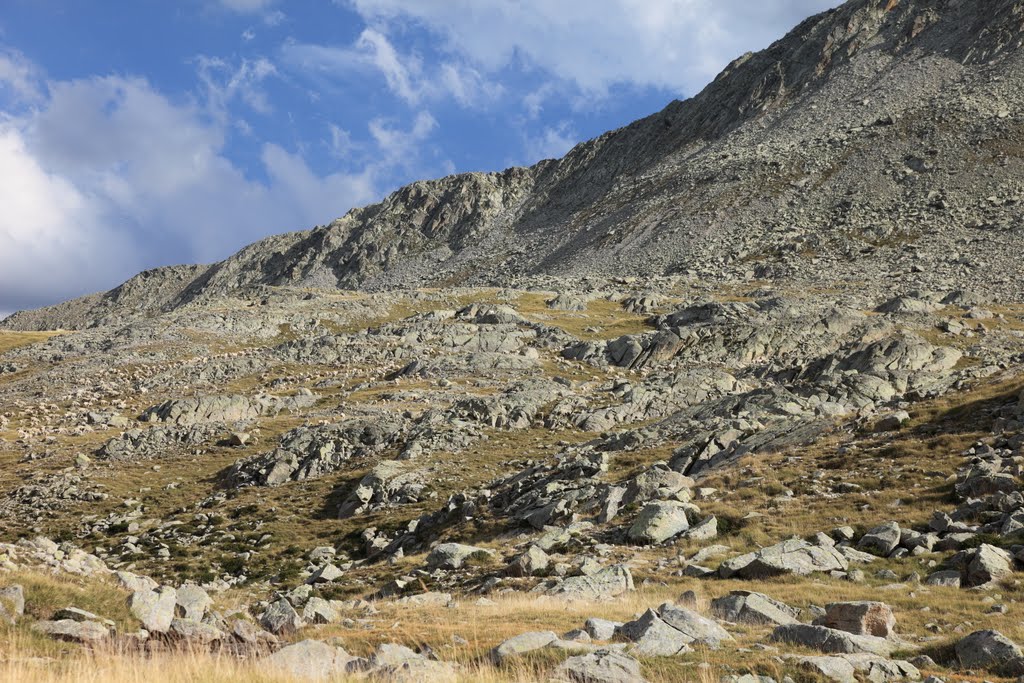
point(705, 530)
point(524, 642)
point(252, 635)
point(75, 614)
point(567, 301)
point(226, 409)
point(874, 668)
point(603, 666)
point(73, 631)
point(881, 540)
point(699, 629)
point(388, 484)
point(794, 556)
point(154, 608)
point(195, 632)
point(601, 629)
point(280, 618)
point(325, 574)
point(658, 483)
point(605, 584)
point(400, 664)
point(134, 582)
point(320, 611)
point(837, 669)
point(652, 637)
point(672, 630)
point(944, 577)
point(455, 555)
point(658, 522)
point(991, 651)
point(831, 641)
point(748, 607)
point(904, 305)
point(192, 602)
point(530, 562)
point(312, 452)
point(189, 411)
point(863, 618)
point(311, 660)
point(986, 565)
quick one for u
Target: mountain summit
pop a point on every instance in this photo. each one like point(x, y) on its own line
point(880, 137)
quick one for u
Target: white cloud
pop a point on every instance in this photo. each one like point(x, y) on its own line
point(396, 144)
point(274, 18)
point(246, 6)
point(48, 231)
point(678, 45)
point(104, 177)
point(373, 54)
point(552, 143)
point(18, 77)
point(224, 82)
point(304, 193)
point(263, 8)
point(533, 102)
point(398, 71)
point(468, 86)
point(340, 144)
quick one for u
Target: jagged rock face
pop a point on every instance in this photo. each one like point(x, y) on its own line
point(869, 137)
point(308, 453)
point(226, 409)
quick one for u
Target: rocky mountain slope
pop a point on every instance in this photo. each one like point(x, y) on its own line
point(877, 139)
point(736, 394)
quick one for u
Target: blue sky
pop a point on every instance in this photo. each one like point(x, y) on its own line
point(140, 133)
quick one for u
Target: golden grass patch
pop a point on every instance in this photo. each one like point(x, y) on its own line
point(13, 340)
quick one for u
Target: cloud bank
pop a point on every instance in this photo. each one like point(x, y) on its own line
point(677, 45)
point(107, 176)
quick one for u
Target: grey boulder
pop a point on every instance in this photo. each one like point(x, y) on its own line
point(748, 607)
point(280, 618)
point(455, 555)
point(794, 556)
point(400, 664)
point(988, 564)
point(658, 522)
point(604, 584)
point(671, 630)
point(530, 562)
point(154, 608)
point(601, 629)
point(310, 660)
point(73, 631)
point(524, 642)
point(991, 651)
point(831, 641)
point(881, 540)
point(192, 602)
point(603, 666)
